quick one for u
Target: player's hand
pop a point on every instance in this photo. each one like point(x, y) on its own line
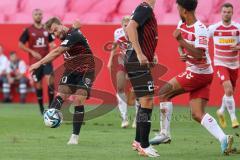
point(142, 59)
point(34, 67)
point(235, 47)
point(36, 55)
point(183, 57)
point(155, 59)
point(177, 35)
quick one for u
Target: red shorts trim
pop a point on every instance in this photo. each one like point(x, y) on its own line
point(226, 74)
point(198, 85)
point(118, 63)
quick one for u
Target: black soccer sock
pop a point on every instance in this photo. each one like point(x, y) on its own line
point(145, 126)
point(57, 103)
point(137, 136)
point(39, 93)
point(78, 118)
point(50, 94)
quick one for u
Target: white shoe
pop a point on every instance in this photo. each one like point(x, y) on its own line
point(73, 139)
point(124, 124)
point(148, 152)
point(160, 139)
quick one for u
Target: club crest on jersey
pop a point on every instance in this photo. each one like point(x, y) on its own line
point(34, 34)
point(45, 33)
point(88, 81)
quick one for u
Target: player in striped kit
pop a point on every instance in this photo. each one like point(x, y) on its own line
point(226, 59)
point(116, 66)
point(192, 37)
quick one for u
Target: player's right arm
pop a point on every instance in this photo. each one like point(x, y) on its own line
point(22, 44)
point(112, 54)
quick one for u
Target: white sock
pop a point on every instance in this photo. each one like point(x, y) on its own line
point(230, 104)
point(122, 105)
point(165, 118)
point(223, 106)
point(212, 126)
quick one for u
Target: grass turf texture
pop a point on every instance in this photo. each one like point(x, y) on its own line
point(23, 136)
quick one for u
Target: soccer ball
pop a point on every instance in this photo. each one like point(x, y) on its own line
point(53, 118)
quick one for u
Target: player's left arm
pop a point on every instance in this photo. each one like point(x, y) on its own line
point(237, 46)
point(194, 51)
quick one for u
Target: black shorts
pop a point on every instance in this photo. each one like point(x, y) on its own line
point(140, 76)
point(38, 74)
point(76, 80)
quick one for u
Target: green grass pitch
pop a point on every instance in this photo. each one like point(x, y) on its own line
point(23, 136)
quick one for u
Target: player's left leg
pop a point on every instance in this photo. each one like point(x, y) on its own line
point(78, 115)
point(23, 89)
point(208, 122)
point(48, 72)
point(6, 89)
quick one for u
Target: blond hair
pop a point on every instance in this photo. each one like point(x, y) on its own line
point(126, 19)
point(51, 21)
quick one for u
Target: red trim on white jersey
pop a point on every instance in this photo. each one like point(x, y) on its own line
point(224, 37)
point(197, 36)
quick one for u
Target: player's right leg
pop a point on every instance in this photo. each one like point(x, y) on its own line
point(121, 97)
point(6, 89)
point(230, 102)
point(37, 78)
point(168, 91)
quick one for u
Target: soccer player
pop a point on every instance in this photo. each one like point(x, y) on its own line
point(39, 43)
point(116, 63)
point(192, 37)
point(16, 73)
point(79, 71)
point(226, 59)
point(143, 34)
point(4, 62)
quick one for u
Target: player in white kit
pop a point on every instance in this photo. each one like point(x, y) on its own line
point(226, 38)
point(116, 66)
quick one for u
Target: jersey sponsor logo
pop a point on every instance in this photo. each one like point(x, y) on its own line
point(65, 42)
point(226, 41)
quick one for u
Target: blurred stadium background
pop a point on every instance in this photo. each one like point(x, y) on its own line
point(100, 19)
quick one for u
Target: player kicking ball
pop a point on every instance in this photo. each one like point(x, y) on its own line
point(192, 37)
point(116, 66)
point(79, 71)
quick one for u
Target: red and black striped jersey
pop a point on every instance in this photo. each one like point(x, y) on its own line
point(78, 57)
point(147, 30)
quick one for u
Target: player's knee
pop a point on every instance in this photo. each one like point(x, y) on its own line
point(163, 97)
point(120, 89)
point(22, 80)
point(197, 117)
point(229, 91)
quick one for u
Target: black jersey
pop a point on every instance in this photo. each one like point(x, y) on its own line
point(78, 57)
point(147, 30)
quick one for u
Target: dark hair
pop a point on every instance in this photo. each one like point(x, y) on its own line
point(227, 5)
point(189, 5)
point(51, 21)
point(12, 53)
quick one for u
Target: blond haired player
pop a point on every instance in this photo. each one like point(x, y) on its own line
point(116, 65)
point(226, 59)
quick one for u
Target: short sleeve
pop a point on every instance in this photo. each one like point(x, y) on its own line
point(71, 39)
point(24, 37)
point(211, 31)
point(201, 40)
point(51, 38)
point(142, 14)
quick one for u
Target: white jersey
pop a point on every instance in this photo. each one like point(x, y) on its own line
point(120, 39)
point(18, 67)
point(3, 64)
point(224, 37)
point(196, 35)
